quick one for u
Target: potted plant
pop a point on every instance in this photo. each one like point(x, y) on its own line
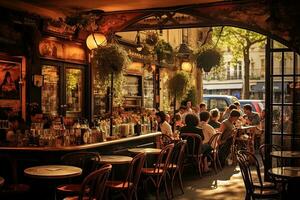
point(164, 51)
point(208, 58)
point(151, 38)
point(178, 86)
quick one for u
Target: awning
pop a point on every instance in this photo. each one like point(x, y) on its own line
point(222, 86)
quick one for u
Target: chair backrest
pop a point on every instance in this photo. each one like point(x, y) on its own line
point(250, 158)
point(214, 140)
point(135, 169)
point(165, 140)
point(87, 161)
point(178, 153)
point(266, 149)
point(194, 144)
point(93, 186)
point(164, 158)
point(245, 171)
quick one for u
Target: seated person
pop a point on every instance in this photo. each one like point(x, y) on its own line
point(250, 117)
point(163, 125)
point(214, 118)
point(208, 132)
point(226, 139)
point(228, 110)
point(177, 122)
point(191, 125)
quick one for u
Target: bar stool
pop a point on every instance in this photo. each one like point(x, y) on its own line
point(128, 187)
point(157, 174)
point(93, 186)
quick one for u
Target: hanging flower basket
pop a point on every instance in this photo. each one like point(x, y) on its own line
point(164, 52)
point(178, 84)
point(111, 58)
point(208, 59)
point(151, 38)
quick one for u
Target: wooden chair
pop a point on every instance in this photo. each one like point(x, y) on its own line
point(165, 140)
point(93, 186)
point(176, 165)
point(130, 184)
point(252, 191)
point(266, 149)
point(157, 174)
point(194, 150)
point(87, 161)
point(251, 158)
point(214, 156)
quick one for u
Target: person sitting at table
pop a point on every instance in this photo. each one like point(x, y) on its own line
point(238, 107)
point(177, 122)
point(163, 125)
point(228, 110)
point(250, 117)
point(226, 140)
point(214, 118)
point(191, 125)
point(208, 132)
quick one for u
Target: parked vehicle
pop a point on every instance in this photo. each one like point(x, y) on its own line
point(218, 101)
point(257, 105)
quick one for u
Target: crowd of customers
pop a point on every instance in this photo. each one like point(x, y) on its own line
point(198, 120)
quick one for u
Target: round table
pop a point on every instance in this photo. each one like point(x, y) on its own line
point(115, 159)
point(286, 172)
point(53, 171)
point(285, 154)
point(145, 150)
point(1, 181)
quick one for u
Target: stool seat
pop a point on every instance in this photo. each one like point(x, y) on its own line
point(152, 171)
point(72, 188)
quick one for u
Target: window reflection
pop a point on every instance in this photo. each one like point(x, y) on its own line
point(73, 90)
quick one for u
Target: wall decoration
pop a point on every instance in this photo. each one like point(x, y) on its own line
point(38, 80)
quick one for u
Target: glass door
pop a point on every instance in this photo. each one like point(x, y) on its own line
point(62, 91)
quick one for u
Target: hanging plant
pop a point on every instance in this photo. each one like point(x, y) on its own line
point(178, 84)
point(111, 58)
point(208, 58)
point(164, 52)
point(151, 38)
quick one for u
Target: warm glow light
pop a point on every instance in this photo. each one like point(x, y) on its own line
point(186, 66)
point(95, 40)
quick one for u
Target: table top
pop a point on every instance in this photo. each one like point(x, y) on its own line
point(115, 159)
point(53, 171)
point(285, 172)
point(145, 150)
point(1, 181)
point(285, 154)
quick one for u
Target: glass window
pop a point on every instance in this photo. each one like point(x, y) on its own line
point(74, 90)
point(277, 57)
point(50, 98)
point(288, 63)
point(148, 89)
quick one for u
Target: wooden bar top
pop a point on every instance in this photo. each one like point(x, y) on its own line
point(80, 147)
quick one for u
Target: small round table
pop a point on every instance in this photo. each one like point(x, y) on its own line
point(1, 181)
point(53, 171)
point(115, 159)
point(145, 150)
point(286, 172)
point(285, 154)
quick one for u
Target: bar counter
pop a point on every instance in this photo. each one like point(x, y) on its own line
point(141, 140)
point(18, 158)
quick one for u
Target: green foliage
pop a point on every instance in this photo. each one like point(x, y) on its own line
point(111, 58)
point(217, 73)
point(208, 58)
point(164, 51)
point(178, 84)
point(190, 96)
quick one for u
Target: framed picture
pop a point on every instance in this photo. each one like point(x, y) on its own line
point(10, 73)
point(38, 80)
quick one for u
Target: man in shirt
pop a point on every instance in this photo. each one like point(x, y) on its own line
point(250, 117)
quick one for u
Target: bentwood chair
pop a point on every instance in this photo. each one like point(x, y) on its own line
point(165, 140)
point(266, 149)
point(87, 161)
point(214, 155)
point(93, 186)
point(128, 187)
point(158, 173)
point(253, 191)
point(176, 164)
point(193, 151)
